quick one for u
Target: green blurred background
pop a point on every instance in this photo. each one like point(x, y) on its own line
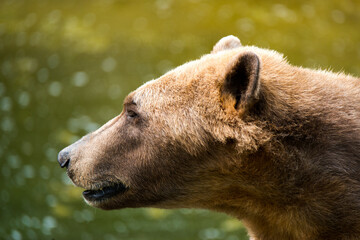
point(65, 67)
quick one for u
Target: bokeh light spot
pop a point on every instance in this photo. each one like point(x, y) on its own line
point(55, 89)
point(80, 79)
point(109, 64)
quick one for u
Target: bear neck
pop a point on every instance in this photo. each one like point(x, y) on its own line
point(280, 189)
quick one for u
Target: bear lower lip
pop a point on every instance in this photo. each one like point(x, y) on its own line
point(104, 193)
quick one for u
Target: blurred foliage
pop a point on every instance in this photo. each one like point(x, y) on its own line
point(65, 67)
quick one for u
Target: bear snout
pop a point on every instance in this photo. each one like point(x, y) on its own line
point(64, 157)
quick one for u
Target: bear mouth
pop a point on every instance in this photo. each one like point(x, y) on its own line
point(104, 192)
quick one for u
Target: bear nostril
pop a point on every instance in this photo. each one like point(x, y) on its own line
point(65, 164)
point(64, 159)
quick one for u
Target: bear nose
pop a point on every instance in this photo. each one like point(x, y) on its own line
point(64, 158)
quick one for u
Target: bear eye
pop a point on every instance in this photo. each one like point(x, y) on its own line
point(131, 114)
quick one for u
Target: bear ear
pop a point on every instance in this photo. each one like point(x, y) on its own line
point(241, 86)
point(225, 43)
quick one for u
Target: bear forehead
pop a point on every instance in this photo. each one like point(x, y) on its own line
point(201, 76)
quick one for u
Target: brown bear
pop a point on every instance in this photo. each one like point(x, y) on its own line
point(239, 131)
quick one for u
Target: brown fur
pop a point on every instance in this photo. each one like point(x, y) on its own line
point(238, 131)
